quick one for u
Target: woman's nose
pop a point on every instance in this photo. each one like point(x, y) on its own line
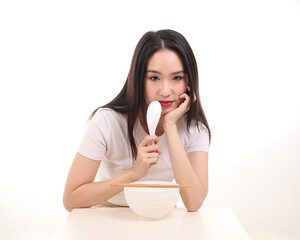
point(165, 89)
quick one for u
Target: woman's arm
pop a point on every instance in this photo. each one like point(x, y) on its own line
point(189, 169)
point(81, 190)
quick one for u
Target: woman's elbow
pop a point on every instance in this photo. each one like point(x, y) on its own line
point(67, 204)
point(68, 208)
point(194, 207)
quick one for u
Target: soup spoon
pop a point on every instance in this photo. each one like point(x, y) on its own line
point(153, 116)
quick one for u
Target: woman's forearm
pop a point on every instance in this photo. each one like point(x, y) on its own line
point(183, 171)
point(94, 193)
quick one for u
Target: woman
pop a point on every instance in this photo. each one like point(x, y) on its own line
point(116, 143)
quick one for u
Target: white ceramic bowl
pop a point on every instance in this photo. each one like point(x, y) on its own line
point(151, 203)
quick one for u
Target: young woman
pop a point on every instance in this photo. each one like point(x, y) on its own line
point(116, 143)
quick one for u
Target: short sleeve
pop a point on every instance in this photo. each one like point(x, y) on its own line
point(199, 139)
point(95, 140)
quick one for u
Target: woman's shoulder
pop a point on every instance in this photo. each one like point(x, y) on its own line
point(109, 115)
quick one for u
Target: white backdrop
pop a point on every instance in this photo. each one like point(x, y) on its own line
point(59, 60)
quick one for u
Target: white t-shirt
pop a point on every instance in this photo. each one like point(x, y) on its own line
point(106, 139)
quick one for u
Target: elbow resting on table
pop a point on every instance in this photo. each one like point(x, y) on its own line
point(194, 208)
point(67, 205)
point(194, 205)
point(69, 202)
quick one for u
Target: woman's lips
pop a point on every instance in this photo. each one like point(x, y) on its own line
point(165, 103)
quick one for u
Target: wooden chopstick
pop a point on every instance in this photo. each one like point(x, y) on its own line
point(150, 185)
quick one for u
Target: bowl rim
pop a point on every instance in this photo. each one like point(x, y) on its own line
point(152, 189)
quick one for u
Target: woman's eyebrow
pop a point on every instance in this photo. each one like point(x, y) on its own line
point(153, 71)
point(157, 72)
point(174, 73)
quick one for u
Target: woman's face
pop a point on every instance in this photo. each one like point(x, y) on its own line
point(165, 80)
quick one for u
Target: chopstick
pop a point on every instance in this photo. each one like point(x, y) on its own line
point(150, 185)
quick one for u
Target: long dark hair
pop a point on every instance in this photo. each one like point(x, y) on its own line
point(131, 99)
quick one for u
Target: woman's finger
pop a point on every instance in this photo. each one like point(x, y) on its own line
point(149, 139)
point(152, 155)
point(152, 161)
point(187, 98)
point(189, 90)
point(185, 95)
point(152, 148)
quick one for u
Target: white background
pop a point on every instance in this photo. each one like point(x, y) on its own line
point(59, 60)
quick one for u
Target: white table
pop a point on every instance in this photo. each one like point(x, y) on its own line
point(122, 223)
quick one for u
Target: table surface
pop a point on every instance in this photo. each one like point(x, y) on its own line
point(122, 223)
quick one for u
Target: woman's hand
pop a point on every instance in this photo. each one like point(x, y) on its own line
point(174, 115)
point(146, 156)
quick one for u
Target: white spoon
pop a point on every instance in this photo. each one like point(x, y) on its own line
point(153, 116)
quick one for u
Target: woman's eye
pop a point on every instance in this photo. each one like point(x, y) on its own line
point(154, 78)
point(177, 78)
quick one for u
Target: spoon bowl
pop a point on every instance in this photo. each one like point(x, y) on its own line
point(153, 116)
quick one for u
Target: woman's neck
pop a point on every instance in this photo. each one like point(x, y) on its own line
point(159, 129)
